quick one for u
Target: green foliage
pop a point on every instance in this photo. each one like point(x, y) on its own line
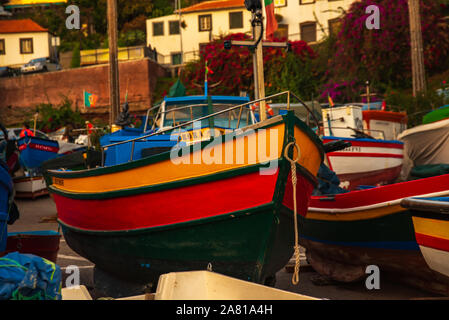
point(76, 57)
point(132, 38)
point(52, 117)
point(416, 107)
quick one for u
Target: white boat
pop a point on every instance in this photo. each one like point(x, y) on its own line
point(30, 187)
point(368, 161)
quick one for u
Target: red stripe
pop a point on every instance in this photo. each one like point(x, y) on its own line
point(373, 144)
point(169, 206)
point(304, 189)
point(432, 242)
point(365, 154)
point(39, 147)
point(385, 193)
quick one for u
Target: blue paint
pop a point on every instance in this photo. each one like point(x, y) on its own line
point(363, 140)
point(6, 188)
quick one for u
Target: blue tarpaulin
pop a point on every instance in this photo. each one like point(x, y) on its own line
point(29, 277)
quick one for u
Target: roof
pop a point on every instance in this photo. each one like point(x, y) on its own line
point(20, 26)
point(214, 5)
point(28, 3)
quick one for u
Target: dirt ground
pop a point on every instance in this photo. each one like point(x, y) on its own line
point(37, 215)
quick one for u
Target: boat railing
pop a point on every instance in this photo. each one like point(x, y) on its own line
point(187, 123)
point(366, 131)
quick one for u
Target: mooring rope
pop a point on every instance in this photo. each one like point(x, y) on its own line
point(295, 278)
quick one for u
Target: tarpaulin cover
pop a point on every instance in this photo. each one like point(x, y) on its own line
point(424, 145)
point(29, 277)
point(328, 182)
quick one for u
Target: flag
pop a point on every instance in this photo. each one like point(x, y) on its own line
point(272, 24)
point(331, 102)
point(90, 99)
point(384, 105)
point(208, 70)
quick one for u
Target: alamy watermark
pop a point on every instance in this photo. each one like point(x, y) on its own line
point(73, 21)
point(373, 20)
point(244, 147)
point(373, 280)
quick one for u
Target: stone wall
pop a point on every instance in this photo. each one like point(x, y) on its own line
point(21, 95)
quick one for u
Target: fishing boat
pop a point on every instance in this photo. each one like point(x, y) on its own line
point(431, 225)
point(30, 187)
point(368, 161)
point(157, 214)
point(345, 233)
point(34, 151)
point(384, 124)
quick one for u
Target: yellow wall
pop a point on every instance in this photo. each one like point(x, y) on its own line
point(293, 15)
point(191, 36)
point(13, 57)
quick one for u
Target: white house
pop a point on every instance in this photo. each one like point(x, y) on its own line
point(22, 41)
point(190, 28)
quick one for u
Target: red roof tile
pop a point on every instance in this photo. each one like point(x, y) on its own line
point(20, 26)
point(214, 5)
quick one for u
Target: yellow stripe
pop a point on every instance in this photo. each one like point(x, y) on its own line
point(166, 171)
point(356, 215)
point(432, 227)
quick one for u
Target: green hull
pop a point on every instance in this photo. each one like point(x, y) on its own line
point(248, 246)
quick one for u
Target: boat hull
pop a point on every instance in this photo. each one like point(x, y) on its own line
point(144, 218)
point(30, 187)
point(346, 233)
point(431, 225)
point(366, 162)
point(232, 244)
point(34, 151)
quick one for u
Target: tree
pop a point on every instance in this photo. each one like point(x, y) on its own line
point(383, 56)
point(233, 68)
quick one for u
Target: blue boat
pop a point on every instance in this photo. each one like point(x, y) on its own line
point(171, 112)
point(6, 192)
point(34, 151)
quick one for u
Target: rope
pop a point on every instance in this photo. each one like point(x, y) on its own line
point(295, 278)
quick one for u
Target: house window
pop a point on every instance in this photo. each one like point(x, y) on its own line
point(174, 27)
point(281, 32)
point(205, 22)
point(334, 26)
point(306, 1)
point(158, 28)
point(26, 46)
point(176, 58)
point(308, 31)
point(2, 46)
point(235, 20)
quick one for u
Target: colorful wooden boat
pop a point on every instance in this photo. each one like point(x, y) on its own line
point(30, 187)
point(34, 151)
point(431, 225)
point(367, 162)
point(150, 216)
point(345, 233)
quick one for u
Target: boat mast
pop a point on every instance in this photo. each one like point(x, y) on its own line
point(256, 46)
point(114, 89)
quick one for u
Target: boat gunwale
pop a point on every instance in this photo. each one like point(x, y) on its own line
point(166, 155)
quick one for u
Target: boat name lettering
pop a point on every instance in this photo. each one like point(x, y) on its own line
point(352, 149)
point(58, 181)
